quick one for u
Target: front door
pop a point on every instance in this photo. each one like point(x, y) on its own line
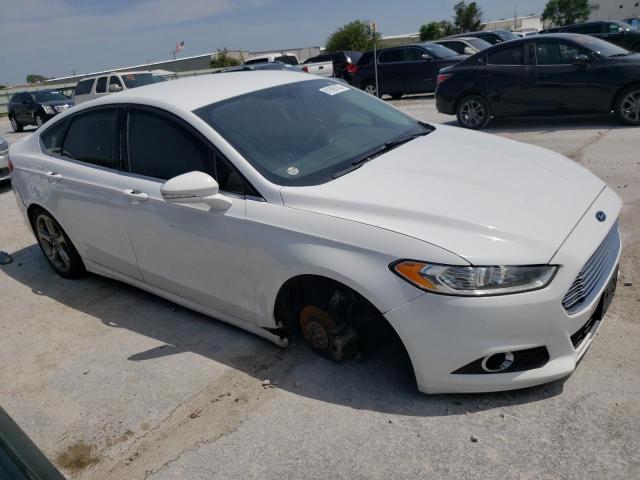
point(561, 85)
point(188, 250)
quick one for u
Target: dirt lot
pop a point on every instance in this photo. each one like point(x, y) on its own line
point(112, 382)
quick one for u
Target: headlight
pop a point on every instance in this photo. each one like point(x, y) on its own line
point(474, 281)
point(48, 109)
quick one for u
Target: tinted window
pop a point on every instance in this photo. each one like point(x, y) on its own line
point(91, 137)
point(256, 60)
point(101, 86)
point(115, 81)
point(84, 86)
point(52, 137)
point(160, 148)
point(506, 35)
point(412, 54)
point(303, 133)
point(606, 49)
point(613, 28)
point(288, 59)
point(389, 56)
point(455, 46)
point(439, 51)
point(478, 43)
point(550, 52)
point(507, 56)
point(586, 29)
point(133, 80)
point(366, 58)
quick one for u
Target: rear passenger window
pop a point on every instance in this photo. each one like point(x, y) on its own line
point(101, 86)
point(588, 29)
point(91, 138)
point(84, 86)
point(507, 56)
point(52, 137)
point(160, 148)
point(115, 81)
point(392, 56)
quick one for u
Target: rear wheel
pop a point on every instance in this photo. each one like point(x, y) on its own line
point(473, 112)
point(56, 246)
point(627, 105)
point(15, 125)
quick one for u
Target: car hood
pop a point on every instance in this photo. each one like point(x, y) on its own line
point(490, 200)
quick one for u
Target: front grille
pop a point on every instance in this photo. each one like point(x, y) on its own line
point(594, 273)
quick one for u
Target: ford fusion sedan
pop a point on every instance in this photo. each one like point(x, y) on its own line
point(543, 75)
point(281, 202)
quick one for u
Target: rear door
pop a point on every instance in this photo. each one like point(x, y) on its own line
point(390, 68)
point(559, 84)
point(507, 79)
point(190, 251)
point(84, 176)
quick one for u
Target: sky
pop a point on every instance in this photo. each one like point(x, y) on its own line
point(57, 37)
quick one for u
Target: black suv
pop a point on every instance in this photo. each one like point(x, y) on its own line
point(492, 36)
point(619, 33)
point(408, 69)
point(35, 108)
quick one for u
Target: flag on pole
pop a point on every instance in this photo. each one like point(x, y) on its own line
point(179, 47)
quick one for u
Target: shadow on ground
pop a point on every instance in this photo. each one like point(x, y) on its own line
point(383, 382)
point(548, 124)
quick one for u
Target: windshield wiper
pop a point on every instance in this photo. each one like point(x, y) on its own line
point(385, 147)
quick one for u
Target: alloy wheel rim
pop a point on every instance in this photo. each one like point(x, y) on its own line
point(631, 106)
point(370, 89)
point(472, 113)
point(14, 124)
point(53, 243)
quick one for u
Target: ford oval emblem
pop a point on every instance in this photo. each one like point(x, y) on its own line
point(601, 216)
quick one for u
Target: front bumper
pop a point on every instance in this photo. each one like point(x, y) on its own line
point(4, 167)
point(444, 333)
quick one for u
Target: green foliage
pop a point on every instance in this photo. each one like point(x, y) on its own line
point(223, 60)
point(33, 78)
point(467, 18)
point(447, 28)
point(430, 31)
point(566, 12)
point(356, 35)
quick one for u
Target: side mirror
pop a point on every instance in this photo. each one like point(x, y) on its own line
point(427, 57)
point(195, 188)
point(114, 87)
point(468, 51)
point(580, 60)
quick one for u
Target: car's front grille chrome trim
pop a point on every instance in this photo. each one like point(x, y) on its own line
point(594, 273)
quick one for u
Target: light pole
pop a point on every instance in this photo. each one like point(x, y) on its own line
point(375, 56)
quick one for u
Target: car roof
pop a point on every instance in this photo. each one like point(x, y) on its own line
point(106, 74)
point(194, 92)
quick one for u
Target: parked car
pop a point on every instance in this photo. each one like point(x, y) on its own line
point(284, 57)
point(301, 203)
point(464, 45)
point(35, 108)
point(104, 84)
point(492, 36)
point(5, 174)
point(261, 66)
point(407, 69)
point(633, 21)
point(546, 74)
point(619, 33)
point(321, 65)
point(344, 63)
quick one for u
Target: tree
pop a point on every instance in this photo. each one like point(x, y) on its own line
point(566, 12)
point(430, 31)
point(467, 18)
point(223, 60)
point(33, 78)
point(356, 35)
point(447, 28)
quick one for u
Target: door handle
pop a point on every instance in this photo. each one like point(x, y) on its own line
point(55, 176)
point(136, 194)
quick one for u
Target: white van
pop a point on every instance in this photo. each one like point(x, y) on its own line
point(100, 85)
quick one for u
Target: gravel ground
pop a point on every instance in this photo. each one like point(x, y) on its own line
point(112, 382)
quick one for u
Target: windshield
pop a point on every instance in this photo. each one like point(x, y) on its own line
point(506, 35)
point(40, 97)
point(478, 43)
point(304, 133)
point(605, 49)
point(133, 80)
point(439, 51)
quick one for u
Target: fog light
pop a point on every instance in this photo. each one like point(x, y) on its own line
point(497, 362)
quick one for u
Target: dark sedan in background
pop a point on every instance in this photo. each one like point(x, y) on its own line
point(542, 75)
point(619, 33)
point(493, 37)
point(406, 69)
point(35, 108)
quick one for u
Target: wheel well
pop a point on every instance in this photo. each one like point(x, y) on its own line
point(468, 94)
point(297, 290)
point(31, 212)
point(619, 92)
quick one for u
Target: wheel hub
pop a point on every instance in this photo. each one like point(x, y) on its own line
point(316, 325)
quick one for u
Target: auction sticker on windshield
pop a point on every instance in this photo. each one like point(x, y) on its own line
point(333, 89)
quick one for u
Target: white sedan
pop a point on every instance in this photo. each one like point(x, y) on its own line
point(280, 202)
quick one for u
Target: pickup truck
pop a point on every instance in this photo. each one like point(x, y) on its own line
point(336, 64)
point(321, 65)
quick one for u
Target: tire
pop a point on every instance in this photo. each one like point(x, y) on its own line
point(56, 246)
point(39, 121)
point(17, 126)
point(473, 112)
point(397, 96)
point(370, 88)
point(627, 106)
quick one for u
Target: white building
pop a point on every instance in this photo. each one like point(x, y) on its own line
point(527, 23)
point(614, 9)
